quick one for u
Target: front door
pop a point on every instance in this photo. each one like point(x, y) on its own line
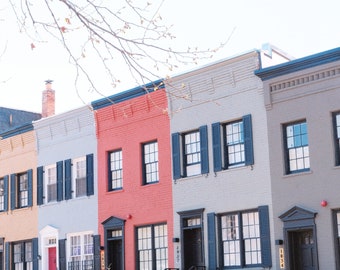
point(52, 258)
point(115, 254)
point(302, 253)
point(192, 247)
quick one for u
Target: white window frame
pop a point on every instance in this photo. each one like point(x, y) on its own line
point(50, 179)
point(76, 172)
point(84, 247)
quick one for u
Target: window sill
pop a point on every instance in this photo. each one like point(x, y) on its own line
point(297, 174)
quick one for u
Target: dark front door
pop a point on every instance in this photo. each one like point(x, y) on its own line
point(115, 254)
point(192, 245)
point(302, 253)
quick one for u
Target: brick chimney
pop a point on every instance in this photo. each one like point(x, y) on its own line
point(48, 100)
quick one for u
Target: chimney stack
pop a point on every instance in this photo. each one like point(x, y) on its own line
point(48, 100)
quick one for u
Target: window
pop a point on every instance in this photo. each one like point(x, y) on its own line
point(116, 170)
point(79, 179)
point(51, 183)
point(336, 127)
point(4, 193)
point(336, 222)
point(23, 255)
point(65, 180)
point(296, 145)
point(150, 163)
point(245, 238)
point(232, 144)
point(80, 251)
point(190, 153)
point(21, 190)
point(152, 247)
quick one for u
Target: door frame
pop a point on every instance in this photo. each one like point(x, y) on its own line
point(298, 219)
point(184, 217)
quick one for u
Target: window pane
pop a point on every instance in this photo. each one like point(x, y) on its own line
point(151, 162)
point(235, 143)
point(192, 153)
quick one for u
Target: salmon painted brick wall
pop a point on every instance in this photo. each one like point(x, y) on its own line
point(127, 125)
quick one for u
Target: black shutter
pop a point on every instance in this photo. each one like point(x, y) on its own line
point(96, 246)
point(217, 150)
point(62, 254)
point(212, 241)
point(60, 181)
point(89, 175)
point(204, 149)
point(13, 192)
point(266, 254)
point(7, 256)
point(30, 187)
point(35, 253)
point(6, 193)
point(68, 179)
point(40, 185)
point(248, 140)
point(176, 156)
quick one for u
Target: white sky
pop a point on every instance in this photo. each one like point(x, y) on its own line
point(299, 27)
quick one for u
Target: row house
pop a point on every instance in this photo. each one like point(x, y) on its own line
point(302, 101)
point(135, 216)
point(222, 195)
point(66, 186)
point(18, 210)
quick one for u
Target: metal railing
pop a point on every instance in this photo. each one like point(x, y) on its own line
point(197, 267)
point(80, 265)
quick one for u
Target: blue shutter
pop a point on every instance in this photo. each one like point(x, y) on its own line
point(30, 187)
point(62, 254)
point(89, 175)
point(40, 185)
point(60, 181)
point(266, 254)
point(204, 149)
point(6, 193)
point(217, 147)
point(248, 140)
point(96, 252)
point(35, 253)
point(13, 192)
point(212, 241)
point(7, 256)
point(176, 156)
point(68, 179)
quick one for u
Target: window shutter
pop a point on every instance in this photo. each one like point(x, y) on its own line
point(204, 149)
point(265, 236)
point(217, 152)
point(60, 181)
point(13, 191)
point(30, 187)
point(89, 175)
point(62, 254)
point(212, 241)
point(35, 253)
point(68, 179)
point(96, 251)
point(40, 185)
point(176, 158)
point(6, 193)
point(248, 140)
point(7, 256)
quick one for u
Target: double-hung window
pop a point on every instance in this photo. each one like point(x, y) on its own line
point(23, 255)
point(152, 247)
point(116, 170)
point(21, 190)
point(245, 238)
point(79, 179)
point(296, 146)
point(80, 251)
point(336, 224)
point(4, 193)
point(232, 143)
point(190, 153)
point(150, 163)
point(336, 128)
point(51, 183)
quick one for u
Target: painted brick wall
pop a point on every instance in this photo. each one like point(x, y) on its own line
point(126, 126)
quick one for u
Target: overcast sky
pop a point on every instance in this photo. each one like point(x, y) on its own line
point(298, 27)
